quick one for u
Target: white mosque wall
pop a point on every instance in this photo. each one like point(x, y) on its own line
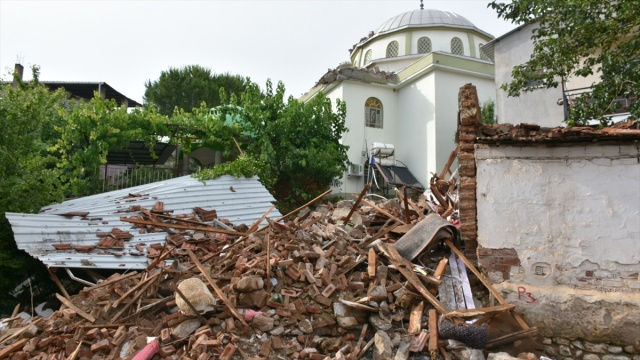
point(359, 137)
point(415, 146)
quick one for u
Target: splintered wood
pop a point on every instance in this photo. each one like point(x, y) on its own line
point(321, 285)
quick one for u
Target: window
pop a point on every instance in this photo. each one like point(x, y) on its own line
point(483, 56)
point(392, 49)
point(456, 46)
point(373, 113)
point(367, 57)
point(424, 45)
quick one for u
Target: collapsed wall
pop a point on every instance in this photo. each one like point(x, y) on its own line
point(558, 223)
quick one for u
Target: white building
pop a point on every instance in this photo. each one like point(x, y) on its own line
point(401, 88)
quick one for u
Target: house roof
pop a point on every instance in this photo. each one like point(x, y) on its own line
point(84, 90)
point(78, 222)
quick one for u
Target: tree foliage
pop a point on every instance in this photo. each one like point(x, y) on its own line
point(51, 148)
point(294, 147)
point(578, 38)
point(186, 88)
point(487, 112)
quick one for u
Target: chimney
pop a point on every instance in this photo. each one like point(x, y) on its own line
point(17, 75)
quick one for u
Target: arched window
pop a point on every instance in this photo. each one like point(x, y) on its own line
point(367, 57)
point(424, 45)
point(392, 49)
point(456, 46)
point(483, 56)
point(373, 113)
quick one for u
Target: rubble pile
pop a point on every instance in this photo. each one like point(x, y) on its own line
point(346, 281)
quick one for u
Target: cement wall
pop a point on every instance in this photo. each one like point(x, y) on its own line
point(512, 50)
point(559, 235)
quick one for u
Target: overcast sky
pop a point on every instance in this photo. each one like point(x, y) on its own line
point(125, 43)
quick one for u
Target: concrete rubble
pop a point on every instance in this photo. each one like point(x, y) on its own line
point(327, 283)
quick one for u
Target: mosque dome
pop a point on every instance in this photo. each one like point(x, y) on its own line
point(425, 18)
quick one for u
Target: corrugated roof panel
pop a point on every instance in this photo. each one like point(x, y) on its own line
point(241, 201)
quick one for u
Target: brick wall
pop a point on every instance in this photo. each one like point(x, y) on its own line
point(468, 124)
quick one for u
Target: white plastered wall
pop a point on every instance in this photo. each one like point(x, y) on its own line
point(572, 216)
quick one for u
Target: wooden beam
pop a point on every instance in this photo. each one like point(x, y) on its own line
point(480, 311)
point(215, 287)
point(58, 283)
point(486, 282)
point(305, 205)
point(180, 226)
point(382, 211)
point(415, 318)
point(71, 306)
point(150, 281)
point(433, 333)
point(355, 205)
point(13, 347)
point(406, 269)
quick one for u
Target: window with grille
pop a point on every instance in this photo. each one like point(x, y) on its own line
point(456, 46)
point(424, 45)
point(392, 49)
point(483, 55)
point(367, 57)
point(373, 113)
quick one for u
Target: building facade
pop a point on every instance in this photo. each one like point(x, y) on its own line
point(400, 89)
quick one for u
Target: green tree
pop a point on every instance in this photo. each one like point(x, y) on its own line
point(487, 112)
point(186, 88)
point(294, 147)
point(29, 177)
point(51, 147)
point(574, 39)
point(91, 129)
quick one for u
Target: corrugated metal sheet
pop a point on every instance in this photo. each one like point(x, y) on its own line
point(35, 233)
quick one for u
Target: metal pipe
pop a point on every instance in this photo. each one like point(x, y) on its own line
point(82, 281)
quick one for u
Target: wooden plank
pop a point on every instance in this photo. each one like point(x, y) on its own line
point(71, 306)
point(433, 333)
point(218, 291)
point(509, 338)
point(456, 283)
point(415, 318)
point(75, 352)
point(112, 281)
point(480, 311)
point(151, 281)
point(406, 270)
point(452, 157)
point(382, 211)
point(13, 347)
point(255, 225)
point(466, 286)
point(442, 266)
point(486, 282)
point(180, 226)
point(384, 231)
point(475, 271)
point(58, 283)
point(406, 205)
point(355, 205)
point(373, 263)
point(305, 205)
point(134, 289)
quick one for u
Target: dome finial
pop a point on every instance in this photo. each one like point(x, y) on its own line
point(421, 5)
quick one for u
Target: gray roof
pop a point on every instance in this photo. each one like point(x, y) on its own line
point(35, 233)
point(423, 18)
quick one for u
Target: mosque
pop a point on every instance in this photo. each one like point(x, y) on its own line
point(401, 92)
